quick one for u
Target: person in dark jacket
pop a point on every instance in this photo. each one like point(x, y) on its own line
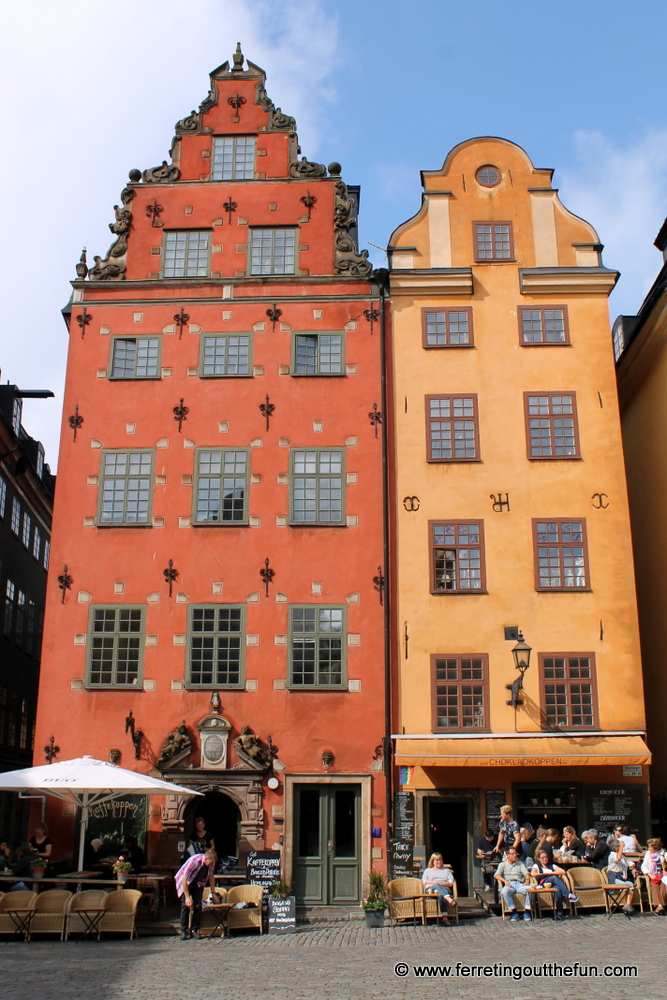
point(22, 867)
point(597, 850)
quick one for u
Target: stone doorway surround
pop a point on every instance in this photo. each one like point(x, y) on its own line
point(363, 780)
point(243, 787)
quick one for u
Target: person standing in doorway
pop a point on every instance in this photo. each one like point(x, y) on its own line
point(190, 881)
point(199, 838)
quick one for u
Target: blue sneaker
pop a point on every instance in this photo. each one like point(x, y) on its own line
point(526, 915)
point(515, 916)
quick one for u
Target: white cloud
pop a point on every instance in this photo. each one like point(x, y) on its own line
point(622, 192)
point(91, 90)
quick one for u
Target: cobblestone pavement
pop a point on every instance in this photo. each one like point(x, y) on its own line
point(347, 961)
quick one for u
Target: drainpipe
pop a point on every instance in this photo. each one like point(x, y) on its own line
point(381, 276)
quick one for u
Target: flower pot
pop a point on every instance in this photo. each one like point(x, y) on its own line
point(122, 877)
point(374, 918)
point(38, 872)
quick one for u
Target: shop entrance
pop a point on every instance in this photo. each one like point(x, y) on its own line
point(327, 850)
point(222, 819)
point(448, 825)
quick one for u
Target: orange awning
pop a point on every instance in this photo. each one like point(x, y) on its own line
point(552, 751)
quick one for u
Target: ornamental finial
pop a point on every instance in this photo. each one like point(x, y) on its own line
point(238, 59)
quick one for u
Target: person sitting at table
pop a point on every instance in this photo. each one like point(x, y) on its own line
point(572, 846)
point(630, 842)
point(618, 873)
point(5, 862)
point(485, 846)
point(654, 865)
point(22, 867)
point(190, 881)
point(547, 871)
point(527, 843)
point(93, 853)
point(41, 843)
point(438, 879)
point(134, 854)
point(597, 849)
point(513, 875)
point(508, 832)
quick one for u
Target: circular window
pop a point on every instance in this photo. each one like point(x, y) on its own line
point(488, 176)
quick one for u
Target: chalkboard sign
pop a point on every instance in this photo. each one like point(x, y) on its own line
point(404, 816)
point(282, 915)
point(400, 858)
point(614, 804)
point(116, 819)
point(263, 868)
point(495, 798)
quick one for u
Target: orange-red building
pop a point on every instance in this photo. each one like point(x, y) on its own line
point(220, 508)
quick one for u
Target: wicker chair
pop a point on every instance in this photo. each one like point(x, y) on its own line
point(16, 900)
point(121, 911)
point(637, 897)
point(584, 881)
point(50, 912)
point(89, 899)
point(547, 900)
point(522, 903)
point(432, 905)
point(251, 917)
point(400, 906)
point(208, 919)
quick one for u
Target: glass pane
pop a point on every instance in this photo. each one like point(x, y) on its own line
point(309, 823)
point(344, 824)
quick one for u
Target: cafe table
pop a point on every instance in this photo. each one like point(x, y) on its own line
point(91, 918)
point(219, 913)
point(21, 917)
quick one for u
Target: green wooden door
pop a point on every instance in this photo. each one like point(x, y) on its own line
point(326, 844)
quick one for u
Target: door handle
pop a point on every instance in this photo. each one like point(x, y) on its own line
point(330, 849)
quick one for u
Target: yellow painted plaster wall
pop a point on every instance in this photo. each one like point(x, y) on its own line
point(499, 370)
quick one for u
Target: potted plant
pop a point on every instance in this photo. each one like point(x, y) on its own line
point(375, 904)
point(122, 869)
point(38, 866)
point(281, 889)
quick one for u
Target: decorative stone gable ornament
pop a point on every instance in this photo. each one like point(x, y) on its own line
point(214, 732)
point(347, 259)
point(166, 173)
point(250, 751)
point(114, 265)
point(176, 747)
point(304, 168)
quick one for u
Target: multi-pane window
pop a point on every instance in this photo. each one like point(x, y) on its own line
point(37, 543)
point(116, 640)
point(225, 354)
point(317, 643)
point(3, 496)
point(30, 633)
point(561, 555)
point(460, 694)
point(316, 486)
point(19, 626)
point(8, 618)
point(493, 240)
point(233, 158)
point(221, 486)
point(135, 357)
point(447, 327)
point(318, 354)
point(16, 516)
point(457, 557)
point(47, 553)
point(273, 251)
point(25, 531)
point(17, 407)
point(551, 425)
point(543, 325)
point(125, 491)
point(215, 645)
point(186, 254)
point(569, 698)
point(452, 428)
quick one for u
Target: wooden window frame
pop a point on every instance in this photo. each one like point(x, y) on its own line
point(552, 418)
point(100, 491)
point(226, 337)
point(318, 335)
point(221, 523)
point(16, 517)
point(451, 396)
point(179, 277)
point(544, 343)
point(135, 378)
point(293, 633)
point(494, 259)
point(234, 141)
point(432, 547)
point(459, 684)
point(318, 522)
point(3, 497)
point(568, 682)
point(561, 545)
point(216, 634)
point(447, 310)
point(136, 684)
point(250, 271)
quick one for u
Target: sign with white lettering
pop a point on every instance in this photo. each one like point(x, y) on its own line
point(282, 915)
point(404, 815)
point(263, 868)
point(616, 805)
point(400, 858)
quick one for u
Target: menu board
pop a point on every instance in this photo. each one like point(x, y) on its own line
point(282, 915)
point(611, 805)
point(400, 858)
point(404, 816)
point(495, 798)
point(263, 868)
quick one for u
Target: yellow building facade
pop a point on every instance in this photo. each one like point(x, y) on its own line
point(511, 515)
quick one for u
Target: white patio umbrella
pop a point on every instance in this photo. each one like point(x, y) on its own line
point(86, 782)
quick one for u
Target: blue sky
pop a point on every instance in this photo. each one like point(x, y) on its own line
point(386, 88)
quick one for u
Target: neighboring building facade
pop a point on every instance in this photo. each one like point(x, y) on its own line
point(26, 503)
point(640, 347)
point(511, 514)
point(221, 507)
